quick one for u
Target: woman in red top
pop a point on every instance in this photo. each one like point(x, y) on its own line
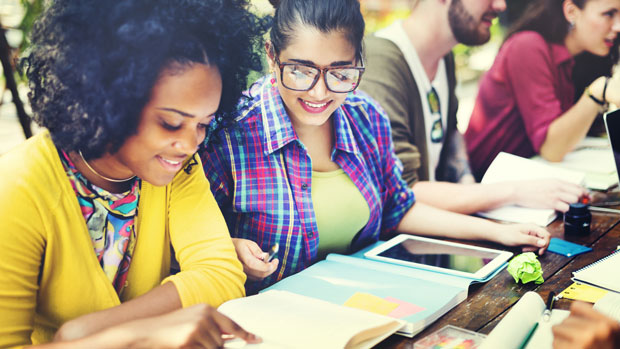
point(527, 103)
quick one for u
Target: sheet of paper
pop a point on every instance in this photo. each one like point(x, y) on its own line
point(509, 167)
point(609, 305)
point(592, 157)
point(594, 142)
point(517, 324)
point(543, 337)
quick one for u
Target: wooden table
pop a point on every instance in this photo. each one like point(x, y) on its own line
point(488, 303)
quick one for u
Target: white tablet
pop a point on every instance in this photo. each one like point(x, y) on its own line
point(440, 256)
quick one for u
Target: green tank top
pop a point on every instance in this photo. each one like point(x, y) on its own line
point(340, 209)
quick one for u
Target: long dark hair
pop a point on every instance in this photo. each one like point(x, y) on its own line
point(324, 15)
point(546, 17)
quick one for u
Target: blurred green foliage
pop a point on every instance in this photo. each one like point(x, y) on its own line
point(32, 9)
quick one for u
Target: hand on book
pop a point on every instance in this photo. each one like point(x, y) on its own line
point(531, 237)
point(253, 259)
point(586, 328)
point(547, 193)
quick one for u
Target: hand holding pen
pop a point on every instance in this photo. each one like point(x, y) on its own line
point(257, 264)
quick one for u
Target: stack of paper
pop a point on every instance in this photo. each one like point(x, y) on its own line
point(508, 167)
point(592, 157)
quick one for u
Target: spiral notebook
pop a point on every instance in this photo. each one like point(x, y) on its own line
point(602, 273)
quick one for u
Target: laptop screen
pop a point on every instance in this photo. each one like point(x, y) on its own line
point(612, 124)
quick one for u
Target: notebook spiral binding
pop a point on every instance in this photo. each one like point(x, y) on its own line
point(597, 262)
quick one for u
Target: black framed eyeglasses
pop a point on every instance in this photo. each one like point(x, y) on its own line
point(433, 104)
point(303, 77)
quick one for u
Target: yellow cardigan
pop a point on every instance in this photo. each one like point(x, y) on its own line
point(48, 270)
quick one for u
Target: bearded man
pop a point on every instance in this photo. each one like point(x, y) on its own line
point(410, 71)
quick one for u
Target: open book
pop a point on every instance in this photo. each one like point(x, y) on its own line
point(509, 167)
point(288, 320)
point(602, 273)
point(516, 327)
point(416, 296)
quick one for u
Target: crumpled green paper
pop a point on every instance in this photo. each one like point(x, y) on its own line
point(526, 267)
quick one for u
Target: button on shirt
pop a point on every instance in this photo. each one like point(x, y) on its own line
point(261, 175)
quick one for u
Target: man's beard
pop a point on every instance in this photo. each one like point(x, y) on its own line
point(463, 25)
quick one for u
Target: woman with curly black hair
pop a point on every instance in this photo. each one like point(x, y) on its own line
point(94, 210)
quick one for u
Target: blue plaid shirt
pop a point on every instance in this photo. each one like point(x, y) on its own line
point(261, 175)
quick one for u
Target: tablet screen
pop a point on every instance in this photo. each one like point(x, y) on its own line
point(439, 255)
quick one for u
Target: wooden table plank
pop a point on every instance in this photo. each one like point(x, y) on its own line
point(603, 247)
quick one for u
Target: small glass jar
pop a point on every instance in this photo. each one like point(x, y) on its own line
point(577, 219)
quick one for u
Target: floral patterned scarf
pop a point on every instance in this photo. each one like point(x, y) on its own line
point(110, 220)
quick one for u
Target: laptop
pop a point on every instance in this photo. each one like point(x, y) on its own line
point(612, 124)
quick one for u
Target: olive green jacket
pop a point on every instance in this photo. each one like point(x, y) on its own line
point(389, 81)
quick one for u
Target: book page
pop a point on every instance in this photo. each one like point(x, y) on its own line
point(517, 324)
point(287, 320)
point(509, 167)
point(518, 214)
point(543, 337)
point(609, 305)
point(592, 158)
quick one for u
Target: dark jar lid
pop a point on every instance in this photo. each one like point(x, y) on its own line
point(578, 209)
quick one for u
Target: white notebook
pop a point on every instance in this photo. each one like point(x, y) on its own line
point(509, 167)
point(602, 273)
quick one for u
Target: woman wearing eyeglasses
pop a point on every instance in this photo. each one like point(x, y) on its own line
point(529, 101)
point(310, 164)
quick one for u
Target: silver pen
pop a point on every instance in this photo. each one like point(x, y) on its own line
point(272, 252)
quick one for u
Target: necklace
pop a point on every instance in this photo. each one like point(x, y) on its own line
point(102, 176)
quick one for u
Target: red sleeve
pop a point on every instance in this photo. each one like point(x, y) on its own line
point(529, 69)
